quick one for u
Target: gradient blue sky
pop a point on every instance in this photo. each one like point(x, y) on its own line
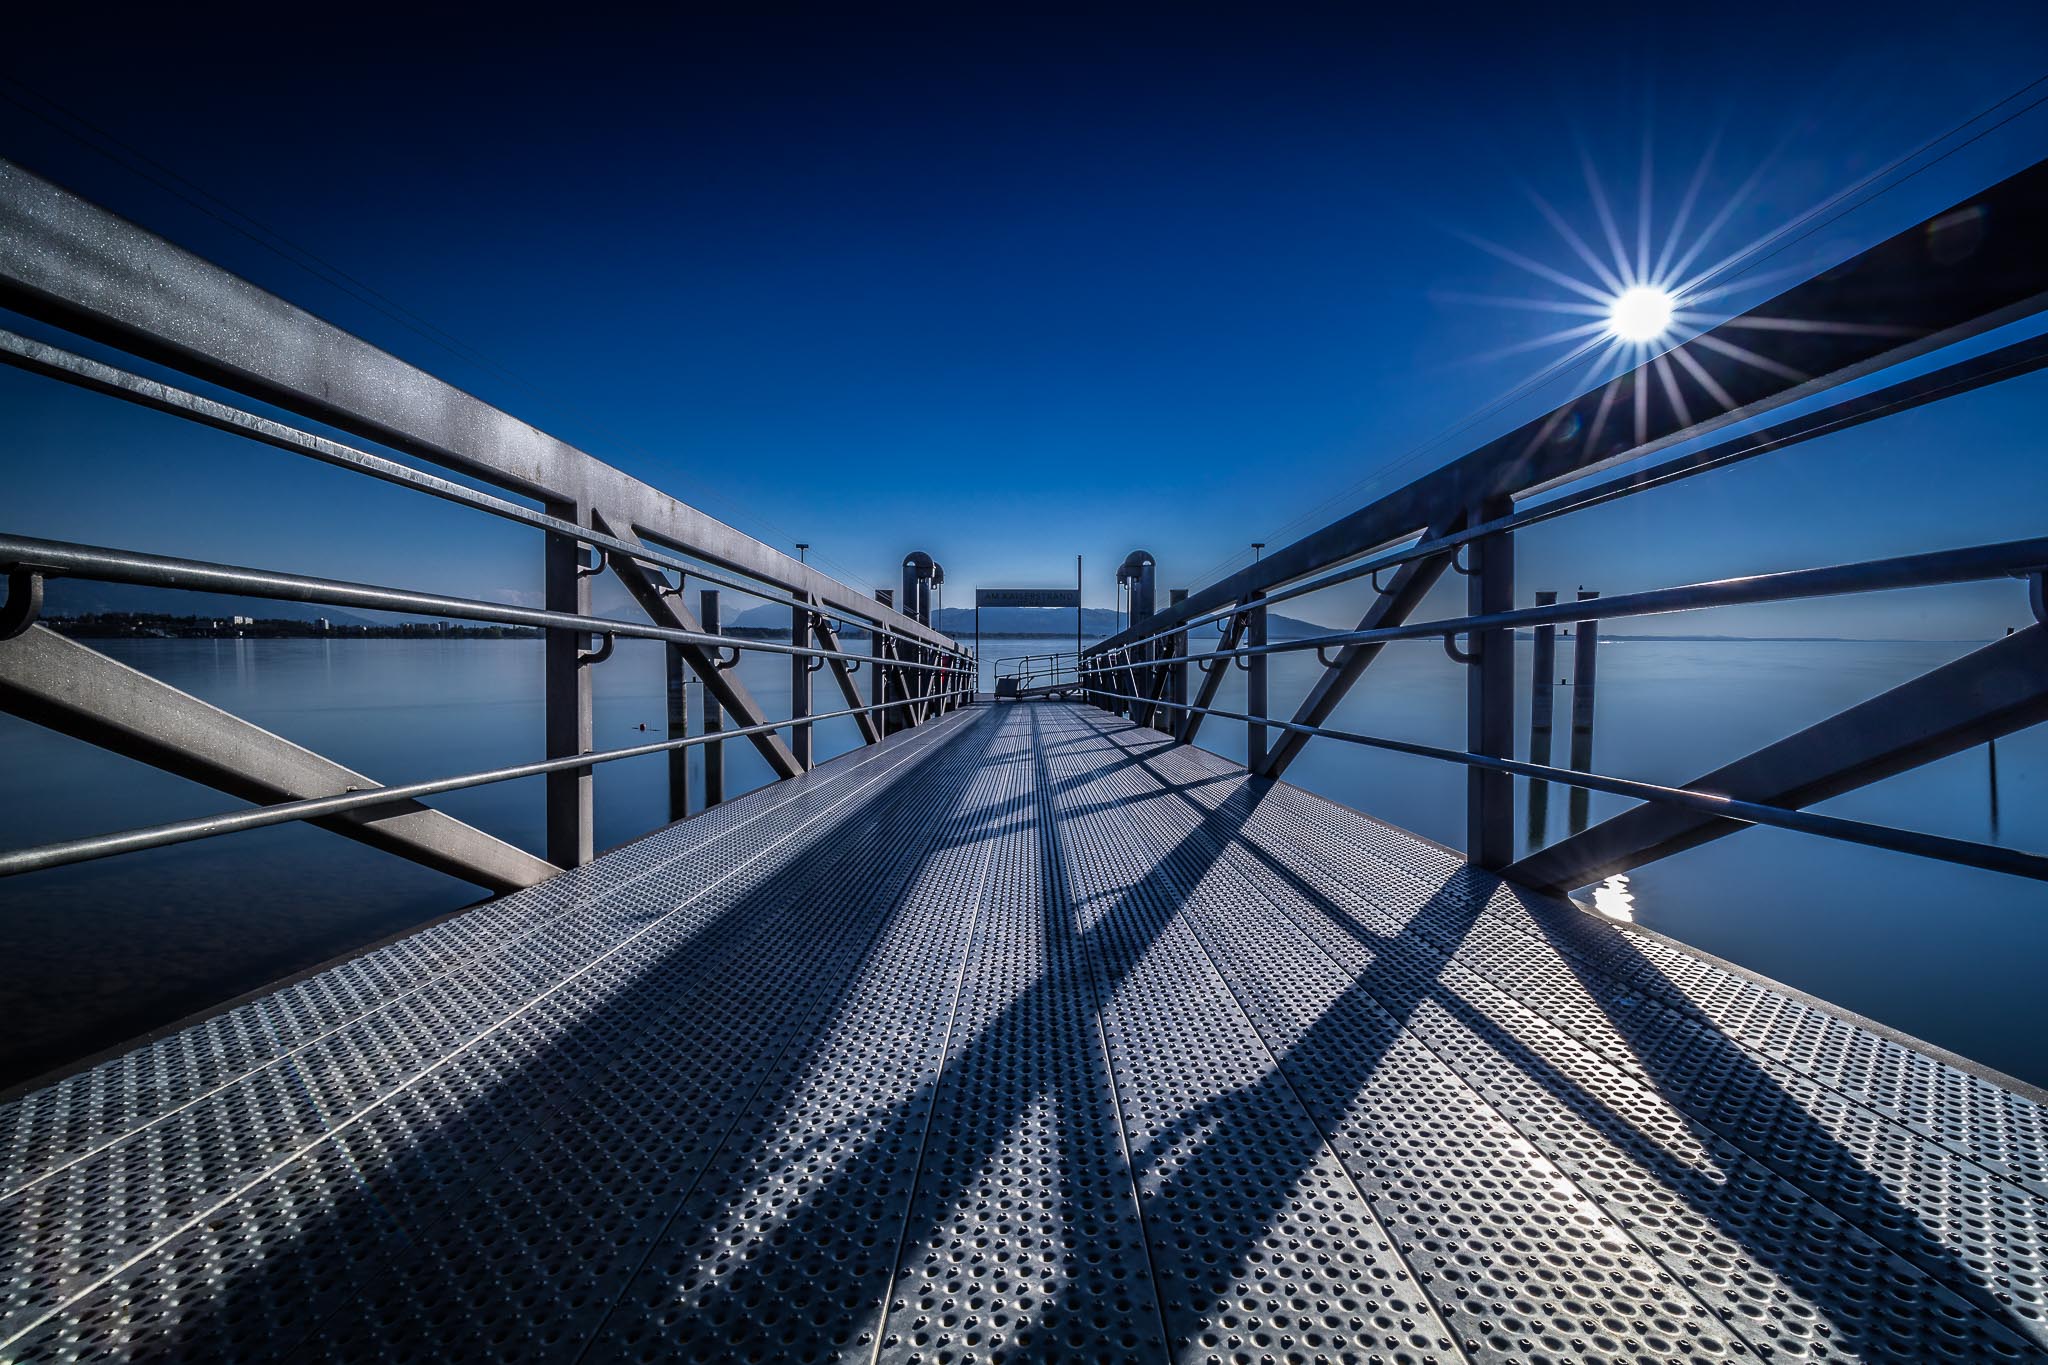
point(1008, 289)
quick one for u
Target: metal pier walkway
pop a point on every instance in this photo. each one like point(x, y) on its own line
point(1026, 1035)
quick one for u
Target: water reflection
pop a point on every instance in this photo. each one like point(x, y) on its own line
point(1613, 899)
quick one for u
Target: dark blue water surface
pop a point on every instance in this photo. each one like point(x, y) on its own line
point(97, 954)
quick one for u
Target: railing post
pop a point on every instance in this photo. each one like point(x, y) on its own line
point(877, 684)
point(566, 685)
point(714, 714)
point(1177, 681)
point(1585, 641)
point(1490, 694)
point(887, 682)
point(1542, 684)
point(1255, 682)
point(678, 728)
point(800, 685)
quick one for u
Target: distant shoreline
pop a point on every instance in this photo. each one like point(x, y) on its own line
point(123, 625)
point(151, 626)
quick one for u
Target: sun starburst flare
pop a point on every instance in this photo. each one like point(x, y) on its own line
point(1636, 301)
point(1641, 313)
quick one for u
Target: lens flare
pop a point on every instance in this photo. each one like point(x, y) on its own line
point(1642, 313)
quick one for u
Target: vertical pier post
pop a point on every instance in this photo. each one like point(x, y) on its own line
point(714, 714)
point(1542, 699)
point(876, 685)
point(678, 728)
point(1255, 683)
point(800, 686)
point(1490, 694)
point(1177, 680)
point(566, 684)
point(1077, 619)
point(1585, 640)
point(885, 684)
point(1991, 755)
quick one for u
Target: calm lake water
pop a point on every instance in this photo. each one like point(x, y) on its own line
point(98, 954)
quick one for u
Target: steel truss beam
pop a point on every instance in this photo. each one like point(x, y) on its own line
point(664, 607)
point(1963, 272)
point(70, 263)
point(1842, 413)
point(68, 687)
point(1987, 693)
point(37, 357)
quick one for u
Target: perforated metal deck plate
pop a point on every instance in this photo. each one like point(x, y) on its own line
point(1025, 1036)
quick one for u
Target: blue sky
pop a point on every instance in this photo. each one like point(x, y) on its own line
point(1013, 289)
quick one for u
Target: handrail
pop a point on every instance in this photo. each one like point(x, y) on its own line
point(1883, 307)
point(14, 862)
point(1972, 564)
point(1877, 309)
point(2007, 362)
point(38, 357)
point(56, 558)
point(1993, 857)
point(70, 263)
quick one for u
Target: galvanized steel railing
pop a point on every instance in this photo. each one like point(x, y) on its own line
point(69, 264)
point(1958, 275)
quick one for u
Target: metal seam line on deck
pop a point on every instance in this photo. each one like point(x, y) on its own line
point(1170, 911)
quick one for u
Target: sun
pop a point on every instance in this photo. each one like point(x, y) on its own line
point(1640, 313)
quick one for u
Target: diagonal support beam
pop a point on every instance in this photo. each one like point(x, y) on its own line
point(895, 685)
point(666, 608)
point(1205, 696)
point(1158, 678)
point(1412, 582)
point(828, 638)
point(74, 690)
point(1989, 692)
point(926, 684)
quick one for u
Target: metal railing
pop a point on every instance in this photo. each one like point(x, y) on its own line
point(1034, 673)
point(69, 264)
point(1905, 298)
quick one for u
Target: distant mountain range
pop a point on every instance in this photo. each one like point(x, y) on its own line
point(1038, 622)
